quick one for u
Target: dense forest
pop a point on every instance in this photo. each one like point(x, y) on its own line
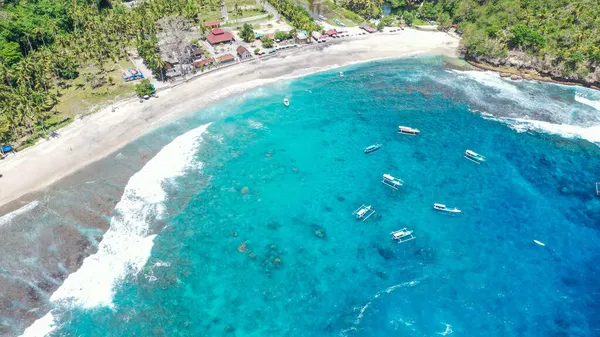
point(560, 38)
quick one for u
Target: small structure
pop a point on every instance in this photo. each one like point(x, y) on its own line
point(243, 53)
point(195, 52)
point(227, 58)
point(302, 36)
point(217, 35)
point(205, 62)
point(317, 37)
point(402, 26)
point(363, 212)
point(132, 75)
point(403, 235)
point(392, 181)
point(331, 33)
point(368, 28)
point(212, 24)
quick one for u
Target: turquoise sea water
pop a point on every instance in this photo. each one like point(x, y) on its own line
point(239, 255)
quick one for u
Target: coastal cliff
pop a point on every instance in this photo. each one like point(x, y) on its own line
point(518, 65)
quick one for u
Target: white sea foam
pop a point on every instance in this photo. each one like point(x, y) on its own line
point(591, 133)
point(127, 244)
point(6, 219)
point(584, 100)
point(388, 290)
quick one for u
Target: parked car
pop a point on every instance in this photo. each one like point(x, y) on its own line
point(7, 149)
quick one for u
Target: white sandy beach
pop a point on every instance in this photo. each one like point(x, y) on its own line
point(96, 136)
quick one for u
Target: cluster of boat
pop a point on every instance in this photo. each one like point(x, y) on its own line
point(403, 235)
point(469, 154)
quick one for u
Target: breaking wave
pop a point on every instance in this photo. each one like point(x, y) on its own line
point(127, 244)
point(10, 216)
point(528, 105)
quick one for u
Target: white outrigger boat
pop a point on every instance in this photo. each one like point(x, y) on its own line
point(598, 188)
point(363, 212)
point(372, 148)
point(286, 102)
point(474, 157)
point(408, 130)
point(391, 181)
point(444, 208)
point(403, 235)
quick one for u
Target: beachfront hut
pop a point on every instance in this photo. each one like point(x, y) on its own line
point(217, 35)
point(243, 53)
point(317, 37)
point(302, 36)
point(205, 62)
point(227, 58)
point(212, 24)
point(331, 33)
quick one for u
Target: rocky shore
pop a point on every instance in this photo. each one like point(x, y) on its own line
point(519, 67)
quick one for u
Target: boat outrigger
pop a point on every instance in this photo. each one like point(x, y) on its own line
point(444, 208)
point(286, 102)
point(408, 130)
point(391, 181)
point(474, 157)
point(363, 212)
point(403, 235)
point(373, 148)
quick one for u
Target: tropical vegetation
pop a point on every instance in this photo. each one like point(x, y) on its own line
point(46, 44)
point(560, 37)
point(295, 14)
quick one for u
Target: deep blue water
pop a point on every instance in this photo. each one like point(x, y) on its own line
point(271, 176)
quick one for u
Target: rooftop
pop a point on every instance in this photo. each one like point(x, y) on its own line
point(212, 23)
point(225, 58)
point(222, 36)
point(198, 63)
point(241, 50)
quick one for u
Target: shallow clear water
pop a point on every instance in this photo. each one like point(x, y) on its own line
point(238, 255)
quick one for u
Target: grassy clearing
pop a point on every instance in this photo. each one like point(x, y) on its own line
point(79, 98)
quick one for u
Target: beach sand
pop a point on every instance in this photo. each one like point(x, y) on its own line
point(91, 138)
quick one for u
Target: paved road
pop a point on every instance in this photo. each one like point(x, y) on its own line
point(224, 15)
point(271, 10)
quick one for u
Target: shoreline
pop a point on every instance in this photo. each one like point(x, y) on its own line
point(93, 137)
point(527, 74)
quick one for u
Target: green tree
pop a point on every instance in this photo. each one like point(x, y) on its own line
point(409, 18)
point(247, 33)
point(267, 42)
point(144, 88)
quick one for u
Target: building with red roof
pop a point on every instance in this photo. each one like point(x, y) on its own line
point(226, 58)
point(212, 24)
point(205, 62)
point(217, 35)
point(331, 32)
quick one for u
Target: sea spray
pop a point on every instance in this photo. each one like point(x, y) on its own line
point(7, 219)
point(127, 244)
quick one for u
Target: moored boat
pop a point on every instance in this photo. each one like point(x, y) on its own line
point(363, 212)
point(392, 181)
point(286, 102)
point(408, 130)
point(474, 157)
point(444, 208)
point(403, 235)
point(373, 148)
